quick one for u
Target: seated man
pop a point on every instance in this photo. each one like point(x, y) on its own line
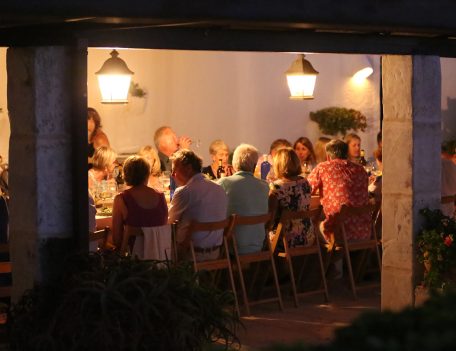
point(167, 143)
point(247, 196)
point(199, 199)
point(341, 182)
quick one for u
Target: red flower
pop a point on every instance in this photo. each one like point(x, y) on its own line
point(448, 240)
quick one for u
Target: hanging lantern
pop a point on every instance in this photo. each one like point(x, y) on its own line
point(114, 79)
point(301, 78)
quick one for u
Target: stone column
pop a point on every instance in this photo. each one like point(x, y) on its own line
point(411, 162)
point(44, 114)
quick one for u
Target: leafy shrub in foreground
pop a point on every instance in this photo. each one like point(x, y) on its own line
point(107, 302)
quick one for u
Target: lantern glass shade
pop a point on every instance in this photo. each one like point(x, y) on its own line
point(114, 79)
point(301, 78)
point(301, 86)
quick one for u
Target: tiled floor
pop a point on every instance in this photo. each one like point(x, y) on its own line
point(313, 322)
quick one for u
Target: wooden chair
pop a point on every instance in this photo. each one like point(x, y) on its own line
point(5, 268)
point(256, 257)
point(223, 261)
point(100, 236)
point(290, 252)
point(351, 246)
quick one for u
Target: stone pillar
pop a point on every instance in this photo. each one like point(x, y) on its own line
point(44, 114)
point(411, 162)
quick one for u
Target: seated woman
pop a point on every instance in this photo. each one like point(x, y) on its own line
point(304, 149)
point(104, 162)
point(291, 192)
point(96, 136)
point(375, 181)
point(151, 156)
point(219, 151)
point(320, 149)
point(138, 206)
point(354, 147)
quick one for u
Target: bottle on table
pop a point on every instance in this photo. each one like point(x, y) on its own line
point(362, 159)
point(220, 170)
point(265, 167)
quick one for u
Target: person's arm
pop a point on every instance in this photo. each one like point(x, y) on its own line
point(314, 180)
point(178, 205)
point(119, 214)
point(273, 205)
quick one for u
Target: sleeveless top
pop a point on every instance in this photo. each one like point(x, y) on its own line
point(144, 217)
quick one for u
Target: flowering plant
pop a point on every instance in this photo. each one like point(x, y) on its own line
point(437, 248)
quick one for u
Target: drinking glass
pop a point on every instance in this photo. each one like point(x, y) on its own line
point(165, 180)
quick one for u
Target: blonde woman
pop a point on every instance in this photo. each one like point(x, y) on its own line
point(320, 149)
point(151, 156)
point(104, 162)
point(218, 151)
point(354, 147)
point(291, 192)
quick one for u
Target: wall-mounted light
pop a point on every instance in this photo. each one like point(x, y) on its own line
point(114, 80)
point(301, 78)
point(362, 68)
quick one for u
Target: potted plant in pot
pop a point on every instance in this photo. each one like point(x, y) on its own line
point(339, 120)
point(437, 249)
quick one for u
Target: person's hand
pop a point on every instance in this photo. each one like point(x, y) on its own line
point(372, 179)
point(185, 142)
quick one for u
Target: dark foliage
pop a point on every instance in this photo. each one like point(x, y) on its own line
point(107, 302)
point(428, 328)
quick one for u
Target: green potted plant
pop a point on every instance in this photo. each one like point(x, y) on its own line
point(339, 120)
point(437, 249)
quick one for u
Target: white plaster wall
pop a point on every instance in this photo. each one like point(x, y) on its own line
point(236, 96)
point(4, 121)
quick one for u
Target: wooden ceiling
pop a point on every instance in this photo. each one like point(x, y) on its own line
point(350, 26)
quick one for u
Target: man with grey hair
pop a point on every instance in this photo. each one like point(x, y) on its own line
point(196, 199)
point(167, 143)
point(341, 182)
point(247, 196)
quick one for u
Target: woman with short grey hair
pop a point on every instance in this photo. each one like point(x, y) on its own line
point(245, 158)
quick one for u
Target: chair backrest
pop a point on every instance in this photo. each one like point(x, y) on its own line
point(348, 211)
point(225, 224)
point(286, 216)
point(251, 220)
point(448, 199)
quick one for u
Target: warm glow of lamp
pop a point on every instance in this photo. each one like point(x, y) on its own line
point(114, 79)
point(362, 68)
point(301, 78)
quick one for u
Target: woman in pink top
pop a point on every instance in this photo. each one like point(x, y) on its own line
point(139, 206)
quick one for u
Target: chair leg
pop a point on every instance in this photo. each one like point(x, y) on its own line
point(323, 272)
point(230, 272)
point(292, 277)
point(276, 282)
point(241, 279)
point(350, 270)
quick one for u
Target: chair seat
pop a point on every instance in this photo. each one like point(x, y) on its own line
point(254, 257)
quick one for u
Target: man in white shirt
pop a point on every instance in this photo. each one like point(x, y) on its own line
point(199, 199)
